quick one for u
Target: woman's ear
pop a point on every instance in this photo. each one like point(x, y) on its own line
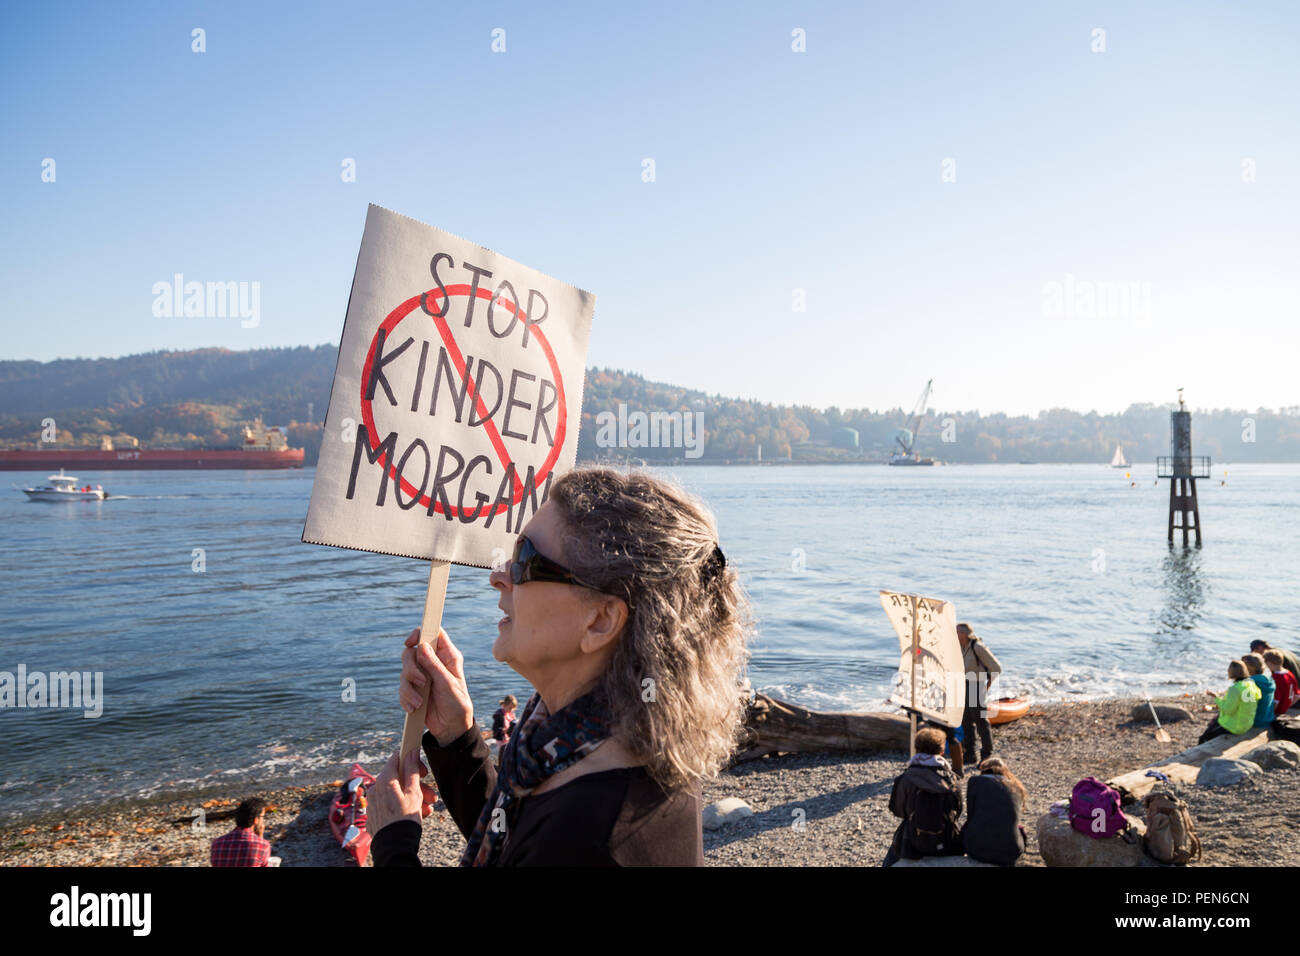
point(606, 617)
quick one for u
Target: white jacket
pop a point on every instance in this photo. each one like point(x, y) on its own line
point(977, 657)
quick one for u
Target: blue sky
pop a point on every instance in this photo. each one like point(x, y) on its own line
point(1117, 172)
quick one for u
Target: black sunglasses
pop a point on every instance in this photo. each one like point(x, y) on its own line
point(528, 564)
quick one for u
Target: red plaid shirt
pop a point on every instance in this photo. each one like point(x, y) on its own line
point(240, 847)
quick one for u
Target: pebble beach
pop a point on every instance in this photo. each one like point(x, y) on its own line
point(827, 809)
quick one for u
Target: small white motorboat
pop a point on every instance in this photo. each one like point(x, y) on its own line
point(63, 487)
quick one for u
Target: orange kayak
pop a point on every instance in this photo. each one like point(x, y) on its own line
point(1006, 709)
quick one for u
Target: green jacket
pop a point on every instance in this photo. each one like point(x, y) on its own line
point(1237, 706)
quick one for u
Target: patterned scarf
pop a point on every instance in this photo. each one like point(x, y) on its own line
point(542, 744)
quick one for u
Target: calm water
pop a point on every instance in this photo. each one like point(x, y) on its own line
point(236, 674)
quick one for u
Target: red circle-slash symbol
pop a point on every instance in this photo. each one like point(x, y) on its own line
point(458, 360)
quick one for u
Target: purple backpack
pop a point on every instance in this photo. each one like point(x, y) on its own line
point(1095, 810)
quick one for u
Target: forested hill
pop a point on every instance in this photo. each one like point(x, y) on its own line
point(202, 397)
point(279, 381)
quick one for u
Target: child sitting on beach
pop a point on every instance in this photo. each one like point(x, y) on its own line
point(926, 795)
point(1236, 707)
point(995, 799)
point(1289, 660)
point(1284, 683)
point(1264, 709)
point(503, 721)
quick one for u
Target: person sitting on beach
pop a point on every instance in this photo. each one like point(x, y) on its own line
point(1283, 680)
point(981, 668)
point(623, 614)
point(503, 721)
point(928, 798)
point(1289, 659)
point(1236, 707)
point(995, 801)
point(1264, 714)
point(244, 845)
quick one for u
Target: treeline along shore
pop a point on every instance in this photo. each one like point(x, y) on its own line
point(202, 398)
point(809, 809)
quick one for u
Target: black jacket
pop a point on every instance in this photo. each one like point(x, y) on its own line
point(499, 731)
point(992, 832)
point(612, 818)
point(917, 784)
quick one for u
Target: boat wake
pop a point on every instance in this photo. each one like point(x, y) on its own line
point(156, 497)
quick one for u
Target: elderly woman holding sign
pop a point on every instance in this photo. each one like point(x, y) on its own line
point(621, 611)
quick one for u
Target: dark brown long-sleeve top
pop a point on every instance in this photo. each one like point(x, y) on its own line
point(613, 818)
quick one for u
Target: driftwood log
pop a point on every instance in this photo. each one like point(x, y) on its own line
point(775, 726)
point(1183, 767)
point(209, 816)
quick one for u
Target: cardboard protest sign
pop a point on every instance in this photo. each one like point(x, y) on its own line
point(456, 399)
point(931, 676)
point(456, 403)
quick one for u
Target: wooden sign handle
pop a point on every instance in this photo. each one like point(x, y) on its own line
point(429, 626)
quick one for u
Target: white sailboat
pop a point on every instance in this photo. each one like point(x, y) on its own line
point(1118, 461)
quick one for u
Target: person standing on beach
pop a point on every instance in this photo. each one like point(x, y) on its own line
point(244, 845)
point(928, 798)
point(1236, 707)
point(622, 612)
point(981, 669)
point(1289, 660)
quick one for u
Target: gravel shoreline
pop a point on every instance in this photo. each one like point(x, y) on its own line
point(809, 809)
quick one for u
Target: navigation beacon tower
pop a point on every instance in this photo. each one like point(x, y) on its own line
point(1182, 470)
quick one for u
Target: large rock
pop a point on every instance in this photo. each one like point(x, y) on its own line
point(1062, 845)
point(1168, 714)
point(725, 811)
point(1225, 772)
point(943, 861)
point(1277, 755)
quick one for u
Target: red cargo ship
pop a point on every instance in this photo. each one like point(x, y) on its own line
point(262, 448)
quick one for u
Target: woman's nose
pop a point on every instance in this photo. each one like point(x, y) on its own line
point(500, 579)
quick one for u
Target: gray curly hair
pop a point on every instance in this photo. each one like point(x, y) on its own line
point(672, 686)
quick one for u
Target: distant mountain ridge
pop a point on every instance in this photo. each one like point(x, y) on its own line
point(276, 379)
point(202, 398)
